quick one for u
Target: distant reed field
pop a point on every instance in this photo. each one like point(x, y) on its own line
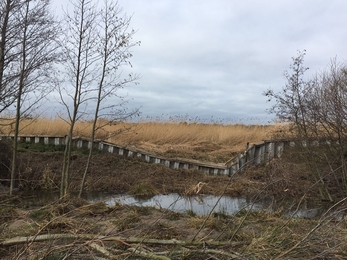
point(152, 132)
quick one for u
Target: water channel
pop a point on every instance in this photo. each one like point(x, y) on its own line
point(202, 205)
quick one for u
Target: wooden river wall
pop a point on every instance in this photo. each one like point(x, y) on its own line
point(254, 154)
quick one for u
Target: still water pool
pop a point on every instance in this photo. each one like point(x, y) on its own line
point(202, 205)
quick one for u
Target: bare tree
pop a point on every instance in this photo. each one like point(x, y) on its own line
point(8, 42)
point(96, 44)
point(316, 110)
point(80, 63)
point(115, 42)
point(291, 102)
point(329, 113)
point(292, 106)
point(27, 52)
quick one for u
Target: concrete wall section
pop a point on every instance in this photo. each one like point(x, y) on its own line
point(255, 154)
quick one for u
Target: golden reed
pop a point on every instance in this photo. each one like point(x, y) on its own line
point(156, 132)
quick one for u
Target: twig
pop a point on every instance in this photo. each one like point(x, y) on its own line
point(102, 250)
point(150, 255)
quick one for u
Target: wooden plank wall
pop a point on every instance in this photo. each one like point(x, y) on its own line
point(253, 155)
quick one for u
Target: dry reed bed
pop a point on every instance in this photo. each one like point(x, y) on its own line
point(156, 136)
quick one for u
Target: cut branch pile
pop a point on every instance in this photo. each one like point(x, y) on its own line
point(134, 246)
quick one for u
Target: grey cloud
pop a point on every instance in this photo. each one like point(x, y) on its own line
point(216, 58)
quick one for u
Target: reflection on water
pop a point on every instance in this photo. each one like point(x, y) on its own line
point(201, 205)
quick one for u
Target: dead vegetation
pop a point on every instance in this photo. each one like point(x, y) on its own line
point(110, 173)
point(74, 229)
point(41, 170)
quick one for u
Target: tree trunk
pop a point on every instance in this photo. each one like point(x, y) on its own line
point(19, 99)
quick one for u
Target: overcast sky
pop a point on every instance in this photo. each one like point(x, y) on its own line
point(215, 58)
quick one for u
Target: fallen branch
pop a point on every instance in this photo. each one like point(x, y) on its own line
point(174, 241)
point(149, 255)
point(40, 238)
point(102, 250)
point(202, 251)
point(132, 240)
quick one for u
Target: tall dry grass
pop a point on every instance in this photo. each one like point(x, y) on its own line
point(182, 133)
point(158, 133)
